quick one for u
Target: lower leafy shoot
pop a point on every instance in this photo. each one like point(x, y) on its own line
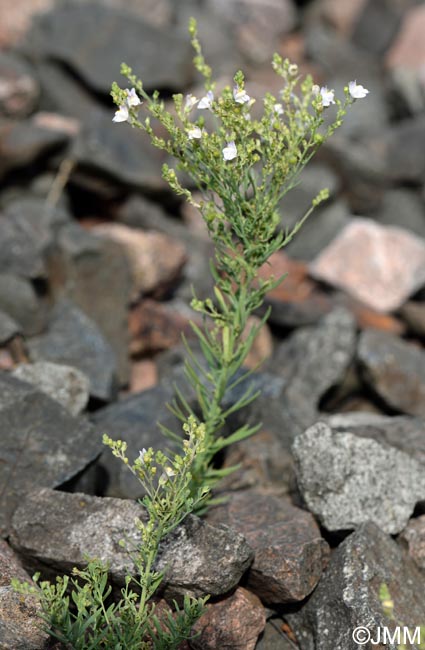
point(79, 610)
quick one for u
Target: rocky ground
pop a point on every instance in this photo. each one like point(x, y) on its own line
point(97, 260)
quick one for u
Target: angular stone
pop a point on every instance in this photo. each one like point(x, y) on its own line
point(134, 420)
point(402, 207)
point(19, 90)
point(22, 247)
point(401, 148)
point(20, 624)
point(19, 301)
point(66, 385)
point(94, 273)
point(156, 260)
point(218, 556)
point(316, 359)
point(402, 432)
point(290, 553)
point(156, 326)
point(341, 14)
point(413, 539)
point(41, 444)
point(348, 594)
point(368, 318)
point(143, 375)
point(262, 463)
point(23, 143)
point(276, 637)
point(394, 369)
point(8, 328)
point(75, 525)
point(66, 34)
point(390, 269)
point(73, 339)
point(107, 153)
point(234, 623)
point(16, 21)
point(344, 491)
point(378, 24)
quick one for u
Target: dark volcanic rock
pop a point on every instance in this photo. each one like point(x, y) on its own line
point(41, 444)
point(105, 151)
point(290, 553)
point(200, 559)
point(19, 300)
point(19, 615)
point(395, 370)
point(77, 525)
point(402, 207)
point(233, 623)
point(66, 34)
point(347, 480)
point(19, 90)
point(94, 273)
point(23, 143)
point(401, 148)
point(73, 339)
point(348, 594)
point(134, 420)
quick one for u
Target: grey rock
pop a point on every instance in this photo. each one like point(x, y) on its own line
point(218, 558)
point(322, 358)
point(401, 148)
point(25, 142)
point(19, 615)
point(73, 339)
point(394, 369)
point(319, 231)
point(134, 420)
point(348, 594)
point(66, 34)
point(273, 637)
point(104, 152)
point(378, 24)
point(8, 328)
point(74, 526)
point(402, 207)
point(344, 490)
point(290, 553)
point(41, 444)
point(77, 525)
point(66, 385)
point(19, 300)
point(402, 432)
point(94, 274)
point(19, 90)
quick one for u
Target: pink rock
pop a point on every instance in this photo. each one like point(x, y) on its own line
point(381, 266)
point(408, 50)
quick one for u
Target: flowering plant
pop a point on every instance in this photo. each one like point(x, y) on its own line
point(242, 167)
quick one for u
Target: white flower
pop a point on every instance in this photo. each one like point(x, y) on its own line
point(356, 90)
point(230, 151)
point(194, 133)
point(190, 102)
point(206, 101)
point(132, 98)
point(278, 109)
point(121, 115)
point(328, 96)
point(142, 455)
point(315, 90)
point(240, 95)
